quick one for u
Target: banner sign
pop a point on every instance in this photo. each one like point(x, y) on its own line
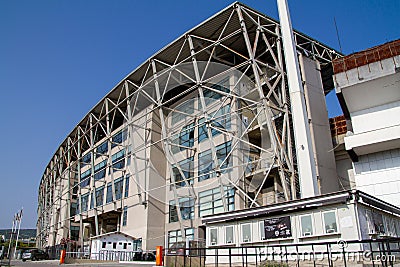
point(277, 227)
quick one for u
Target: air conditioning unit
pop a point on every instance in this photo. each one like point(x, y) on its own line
point(246, 240)
point(307, 234)
point(329, 231)
point(229, 242)
point(213, 243)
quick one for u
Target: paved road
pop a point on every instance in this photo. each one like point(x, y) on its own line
point(49, 263)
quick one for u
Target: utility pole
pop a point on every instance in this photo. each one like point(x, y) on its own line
point(304, 150)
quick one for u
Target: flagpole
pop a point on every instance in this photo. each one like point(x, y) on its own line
point(19, 227)
point(10, 243)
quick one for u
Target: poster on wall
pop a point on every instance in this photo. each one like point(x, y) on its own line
point(277, 227)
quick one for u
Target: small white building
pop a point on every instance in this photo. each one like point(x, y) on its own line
point(347, 215)
point(105, 245)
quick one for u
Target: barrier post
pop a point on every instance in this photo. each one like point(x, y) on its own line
point(159, 256)
point(62, 256)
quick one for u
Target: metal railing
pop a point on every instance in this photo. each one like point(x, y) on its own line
point(114, 255)
point(380, 252)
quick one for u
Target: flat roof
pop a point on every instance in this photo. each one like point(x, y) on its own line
point(370, 55)
point(301, 204)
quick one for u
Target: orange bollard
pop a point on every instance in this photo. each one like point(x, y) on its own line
point(159, 256)
point(62, 256)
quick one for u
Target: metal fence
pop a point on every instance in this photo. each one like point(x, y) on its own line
point(380, 252)
point(114, 255)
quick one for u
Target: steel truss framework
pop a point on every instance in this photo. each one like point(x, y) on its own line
point(238, 37)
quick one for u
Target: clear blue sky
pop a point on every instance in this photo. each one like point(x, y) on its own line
point(59, 58)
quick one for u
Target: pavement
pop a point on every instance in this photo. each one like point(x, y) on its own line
point(48, 263)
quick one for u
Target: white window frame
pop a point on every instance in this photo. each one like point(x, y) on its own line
point(312, 233)
point(241, 233)
point(336, 219)
point(233, 234)
point(211, 243)
point(262, 230)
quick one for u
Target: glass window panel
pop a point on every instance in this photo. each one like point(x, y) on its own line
point(262, 230)
point(306, 225)
point(213, 236)
point(330, 222)
point(127, 185)
point(125, 216)
point(229, 236)
point(118, 187)
point(246, 232)
point(109, 196)
point(85, 200)
point(99, 196)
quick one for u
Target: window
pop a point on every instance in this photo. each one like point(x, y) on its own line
point(118, 138)
point(73, 208)
point(206, 167)
point(102, 149)
point(186, 206)
point(219, 120)
point(103, 245)
point(186, 167)
point(125, 245)
point(229, 235)
point(100, 170)
point(330, 223)
point(222, 86)
point(306, 225)
point(109, 197)
point(118, 186)
point(85, 178)
point(85, 201)
point(92, 200)
point(99, 196)
point(114, 245)
point(213, 236)
point(184, 110)
point(118, 160)
point(125, 216)
point(75, 190)
point(137, 244)
point(175, 237)
point(126, 194)
point(262, 230)
point(74, 232)
point(210, 201)
point(246, 232)
point(87, 158)
point(185, 139)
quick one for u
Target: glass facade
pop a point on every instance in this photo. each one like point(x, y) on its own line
point(306, 225)
point(186, 167)
point(186, 206)
point(175, 238)
point(206, 166)
point(210, 201)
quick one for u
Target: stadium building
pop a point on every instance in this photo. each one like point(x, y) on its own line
point(203, 127)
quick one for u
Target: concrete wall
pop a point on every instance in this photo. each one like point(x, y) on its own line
point(319, 125)
point(378, 174)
